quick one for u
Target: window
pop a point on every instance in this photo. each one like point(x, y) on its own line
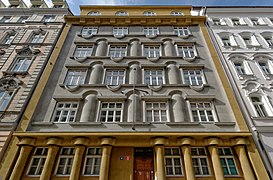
point(181, 31)
point(200, 161)
point(247, 40)
point(154, 77)
point(264, 67)
point(202, 111)
point(122, 13)
point(173, 162)
point(152, 51)
point(83, 51)
point(254, 21)
point(117, 51)
point(250, 39)
point(227, 161)
point(75, 77)
point(226, 41)
point(259, 106)
point(111, 111)
point(176, 13)
point(48, 18)
point(120, 31)
point(94, 13)
point(114, 77)
point(87, 31)
point(156, 111)
point(5, 19)
point(235, 21)
point(65, 161)
point(216, 21)
point(92, 161)
point(5, 98)
point(36, 6)
point(57, 6)
point(193, 77)
point(21, 64)
point(269, 41)
point(65, 112)
point(38, 37)
point(240, 69)
point(186, 51)
point(149, 13)
point(23, 19)
point(151, 31)
point(8, 38)
point(37, 161)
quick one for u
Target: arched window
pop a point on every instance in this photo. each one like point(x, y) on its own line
point(94, 13)
point(241, 66)
point(149, 13)
point(176, 13)
point(122, 13)
point(265, 65)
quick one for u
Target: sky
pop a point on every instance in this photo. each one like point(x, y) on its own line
point(74, 4)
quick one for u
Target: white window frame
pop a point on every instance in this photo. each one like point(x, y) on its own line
point(203, 109)
point(94, 13)
point(122, 13)
point(118, 78)
point(154, 75)
point(23, 19)
point(149, 13)
point(95, 156)
point(186, 52)
point(193, 77)
point(182, 31)
point(246, 67)
point(269, 41)
point(113, 110)
point(89, 30)
point(38, 37)
point(83, 51)
point(75, 77)
point(264, 67)
point(151, 51)
point(150, 31)
point(6, 19)
point(120, 31)
point(41, 161)
point(225, 158)
point(176, 13)
point(49, 18)
point(117, 51)
point(21, 64)
point(63, 111)
point(199, 156)
point(69, 158)
point(226, 41)
point(259, 107)
point(173, 156)
point(162, 107)
point(5, 99)
point(9, 37)
point(235, 21)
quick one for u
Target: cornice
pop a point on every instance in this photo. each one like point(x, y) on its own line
point(88, 7)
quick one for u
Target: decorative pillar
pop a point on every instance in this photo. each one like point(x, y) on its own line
point(134, 108)
point(135, 46)
point(101, 48)
point(96, 74)
point(105, 159)
point(241, 153)
point(50, 158)
point(217, 167)
point(26, 147)
point(159, 151)
point(135, 74)
point(168, 48)
point(186, 149)
point(173, 74)
point(177, 108)
point(89, 107)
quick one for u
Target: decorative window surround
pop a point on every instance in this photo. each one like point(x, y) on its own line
point(173, 162)
point(227, 161)
point(37, 161)
point(5, 98)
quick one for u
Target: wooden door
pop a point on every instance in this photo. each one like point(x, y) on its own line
point(144, 169)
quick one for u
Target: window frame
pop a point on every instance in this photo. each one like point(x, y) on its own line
point(86, 50)
point(149, 13)
point(121, 51)
point(122, 13)
point(49, 18)
point(17, 59)
point(163, 76)
point(66, 157)
point(62, 109)
point(94, 13)
point(182, 29)
point(120, 31)
point(189, 49)
point(93, 29)
point(202, 75)
point(159, 109)
point(41, 35)
point(92, 156)
point(200, 166)
point(4, 99)
point(114, 110)
point(205, 109)
point(41, 162)
point(225, 157)
point(6, 19)
point(172, 157)
point(146, 49)
point(118, 77)
point(153, 30)
point(80, 77)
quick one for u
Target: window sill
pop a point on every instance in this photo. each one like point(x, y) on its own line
point(15, 73)
point(134, 124)
point(182, 123)
point(85, 123)
point(42, 123)
point(225, 123)
point(247, 76)
point(262, 118)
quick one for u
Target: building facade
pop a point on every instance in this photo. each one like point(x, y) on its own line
point(243, 38)
point(28, 33)
point(133, 92)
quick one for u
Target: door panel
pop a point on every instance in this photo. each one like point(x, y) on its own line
point(144, 169)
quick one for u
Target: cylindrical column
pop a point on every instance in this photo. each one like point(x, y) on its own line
point(168, 48)
point(135, 74)
point(75, 171)
point(134, 108)
point(96, 74)
point(101, 48)
point(177, 108)
point(217, 167)
point(135, 46)
point(20, 163)
point(246, 167)
point(160, 167)
point(50, 159)
point(173, 74)
point(105, 162)
point(190, 175)
point(89, 107)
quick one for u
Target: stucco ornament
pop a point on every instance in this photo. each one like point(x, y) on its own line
point(9, 83)
point(27, 51)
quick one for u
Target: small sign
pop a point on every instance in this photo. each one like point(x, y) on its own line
point(121, 158)
point(127, 158)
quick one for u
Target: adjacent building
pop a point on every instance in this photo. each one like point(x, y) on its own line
point(243, 39)
point(133, 92)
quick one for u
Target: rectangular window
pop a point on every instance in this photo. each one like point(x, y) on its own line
point(38, 38)
point(8, 39)
point(152, 51)
point(23, 19)
point(87, 31)
point(5, 19)
point(65, 112)
point(92, 161)
point(216, 21)
point(247, 40)
point(269, 41)
point(200, 161)
point(65, 161)
point(83, 51)
point(48, 18)
point(186, 51)
point(202, 111)
point(5, 98)
point(226, 41)
point(75, 77)
point(235, 21)
point(254, 21)
point(114, 77)
point(151, 31)
point(111, 111)
point(120, 31)
point(259, 106)
point(173, 161)
point(117, 51)
point(37, 161)
point(156, 111)
point(227, 161)
point(239, 66)
point(264, 67)
point(181, 31)
point(193, 77)
point(154, 77)
point(21, 64)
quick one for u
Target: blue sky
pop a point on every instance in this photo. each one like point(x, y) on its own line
point(74, 4)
